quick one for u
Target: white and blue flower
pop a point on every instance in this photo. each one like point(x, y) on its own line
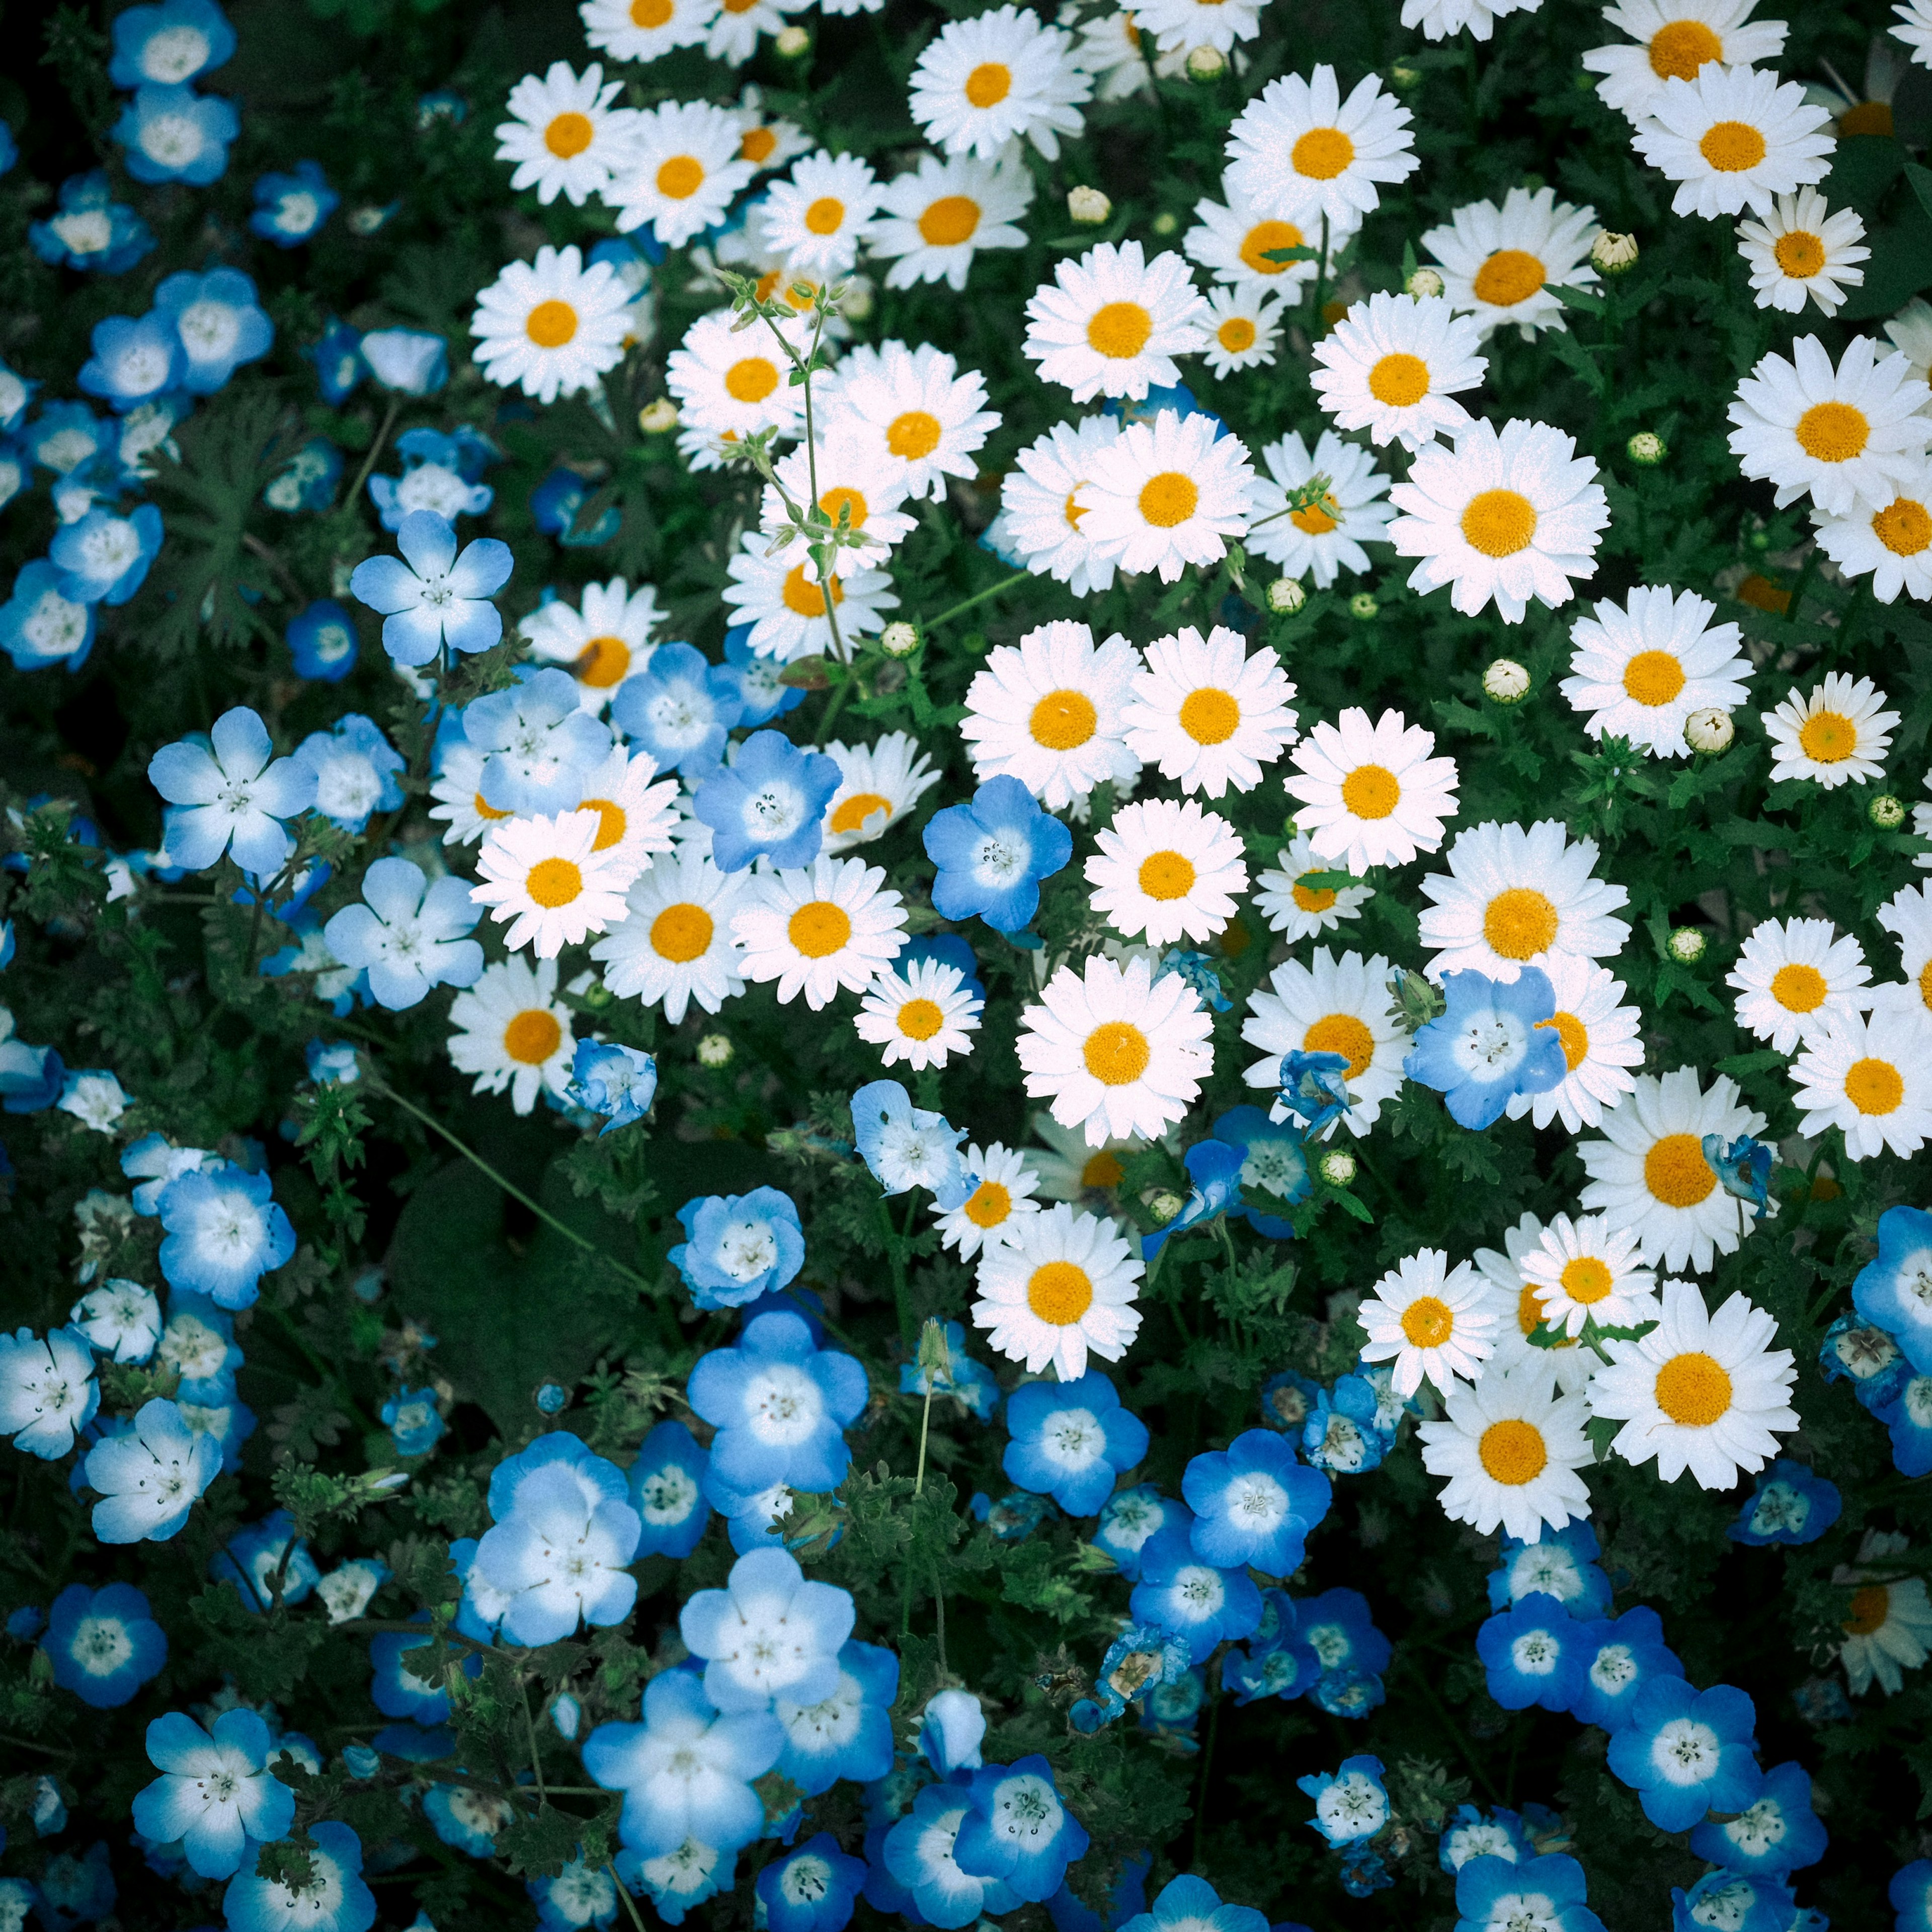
point(1493, 1041)
point(410, 933)
point(1254, 1504)
point(323, 641)
point(1351, 1804)
point(539, 742)
point(1494, 1894)
point(289, 209)
point(1533, 1653)
point(177, 41)
point(150, 1477)
point(48, 1393)
point(215, 1794)
point(172, 134)
point(617, 1082)
point(848, 1732)
point(769, 803)
point(1894, 1288)
point(768, 1634)
point(103, 1645)
point(1070, 1441)
point(432, 597)
point(737, 1247)
point(812, 1889)
point(907, 1147)
point(1619, 1658)
point(133, 361)
point(40, 626)
point(102, 558)
point(225, 1230)
point(334, 1899)
point(680, 708)
point(90, 229)
point(220, 324)
point(1776, 1833)
point(1203, 1603)
point(231, 797)
point(1019, 1830)
point(1686, 1752)
point(992, 854)
point(665, 1483)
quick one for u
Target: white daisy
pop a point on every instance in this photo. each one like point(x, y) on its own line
point(1326, 538)
point(1511, 1446)
point(674, 944)
point(1505, 517)
point(819, 218)
point(1167, 871)
point(913, 412)
point(1051, 712)
point(602, 640)
point(457, 789)
point(1501, 1267)
point(1802, 251)
point(1677, 39)
point(767, 141)
point(1001, 77)
point(1298, 151)
point(1640, 668)
point(1111, 49)
point(564, 135)
point(992, 1215)
point(1235, 242)
point(1701, 1392)
point(922, 1014)
point(682, 169)
point(1439, 19)
point(1040, 512)
point(1585, 1270)
point(735, 27)
point(1600, 1043)
point(732, 382)
point(1184, 25)
point(1794, 977)
point(1297, 909)
point(1910, 331)
point(512, 1031)
point(1848, 436)
point(878, 784)
point(1914, 29)
point(1111, 322)
point(1500, 264)
point(645, 30)
point(816, 928)
point(1514, 897)
point(546, 876)
point(1244, 330)
point(1070, 1170)
point(552, 327)
point(1888, 1625)
point(1208, 714)
point(1432, 1321)
point(1871, 1079)
point(1172, 494)
point(1734, 137)
point(1371, 794)
point(1393, 364)
point(1114, 1052)
point(786, 607)
point(1839, 731)
point(1330, 1005)
point(1061, 1287)
point(1907, 915)
point(635, 810)
point(1893, 544)
point(1649, 1174)
point(933, 220)
point(854, 489)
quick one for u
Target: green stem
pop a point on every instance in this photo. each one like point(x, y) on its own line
point(1206, 1765)
point(925, 1423)
point(978, 597)
point(630, 1903)
point(939, 1613)
point(895, 1255)
point(375, 450)
point(834, 706)
point(530, 1732)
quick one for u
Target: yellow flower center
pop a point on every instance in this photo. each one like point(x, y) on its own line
point(550, 324)
point(532, 1036)
point(1925, 984)
point(649, 13)
point(682, 933)
point(1510, 276)
point(1064, 720)
point(1371, 791)
point(1678, 51)
point(1210, 716)
point(486, 810)
point(1312, 899)
point(1167, 875)
point(988, 84)
point(1322, 153)
point(951, 220)
point(751, 380)
point(569, 134)
point(1529, 1308)
point(920, 1019)
point(1513, 1452)
point(602, 662)
point(990, 1204)
point(1833, 432)
point(850, 814)
point(913, 434)
point(1868, 117)
point(852, 502)
point(1800, 254)
point(1904, 527)
point(1428, 1321)
point(1116, 1054)
point(825, 214)
point(612, 821)
point(1168, 499)
point(1574, 1035)
point(1317, 520)
point(1653, 678)
point(757, 145)
point(1398, 381)
point(1799, 989)
point(1103, 1170)
point(1499, 522)
point(819, 928)
point(1060, 1293)
point(1120, 330)
point(1586, 1279)
point(1520, 923)
point(1827, 737)
point(680, 178)
point(808, 600)
point(1871, 1604)
point(553, 882)
point(1676, 1172)
point(1874, 1086)
point(1693, 1389)
point(1732, 147)
point(1345, 1034)
point(1236, 335)
point(1265, 238)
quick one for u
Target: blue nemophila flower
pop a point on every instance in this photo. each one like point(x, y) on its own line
point(175, 134)
point(261, 1560)
point(291, 208)
point(220, 324)
point(1856, 1350)
point(761, 695)
point(665, 1483)
point(1685, 1752)
point(1533, 1653)
point(199, 1341)
point(811, 1889)
point(1895, 1288)
point(334, 1900)
point(232, 798)
point(618, 1082)
point(215, 1793)
point(90, 229)
point(1204, 1604)
point(679, 1881)
point(74, 1889)
point(104, 1644)
point(1909, 1420)
point(1341, 1630)
point(1910, 1895)
point(466, 1820)
point(680, 708)
point(1254, 1504)
point(120, 1318)
point(433, 597)
point(538, 741)
point(778, 1403)
point(1214, 1171)
point(1128, 1518)
point(1618, 1659)
point(1273, 1166)
point(48, 1393)
point(848, 1733)
point(992, 854)
point(133, 361)
point(176, 42)
point(354, 766)
point(40, 627)
point(1791, 1504)
point(410, 934)
point(149, 1478)
point(769, 1634)
point(1312, 1089)
point(103, 558)
point(1776, 1833)
point(332, 1063)
point(686, 1770)
point(1341, 1435)
point(1494, 1041)
point(1348, 1692)
point(1018, 1831)
point(555, 503)
point(737, 1247)
point(225, 1230)
point(64, 435)
point(1141, 1659)
point(322, 640)
point(414, 1423)
point(1562, 1564)
point(560, 1553)
point(1743, 1166)
point(407, 361)
point(952, 1728)
point(1739, 1902)
point(94, 1096)
point(1070, 1440)
point(439, 473)
point(337, 356)
point(1350, 1803)
point(769, 803)
point(1495, 1894)
point(1281, 1664)
point(1472, 1834)
point(30, 1077)
point(905, 1147)
point(580, 1896)
point(1189, 1904)
point(307, 481)
point(918, 1852)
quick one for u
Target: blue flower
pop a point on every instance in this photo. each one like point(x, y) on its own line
point(619, 1082)
point(769, 804)
point(30, 1077)
point(905, 1147)
point(848, 1732)
point(768, 1634)
point(176, 42)
point(819, 1391)
point(440, 473)
point(1070, 1440)
point(685, 1770)
point(761, 696)
point(225, 1230)
point(1338, 1626)
point(263, 1560)
point(436, 597)
point(1855, 1349)
point(1494, 1894)
point(1014, 1517)
point(1777, 1831)
point(1469, 1834)
point(665, 1483)
point(1272, 1163)
point(175, 134)
point(1341, 1434)
point(1018, 1832)
point(64, 435)
point(559, 1551)
point(679, 1881)
point(120, 1318)
point(539, 742)
point(1202, 1603)
point(1618, 1659)
point(739, 1247)
point(952, 1728)
point(149, 1478)
point(1561, 1565)
point(1491, 1043)
point(73, 1890)
point(103, 1645)
point(1743, 1166)
point(215, 1793)
point(233, 798)
point(415, 1424)
point(679, 708)
point(918, 1852)
point(1254, 1504)
point(993, 854)
point(1285, 1667)
point(90, 230)
point(1533, 1653)
point(220, 324)
point(337, 357)
point(407, 361)
point(1908, 1419)
point(1214, 1170)
point(48, 1393)
point(1348, 1692)
point(1189, 1904)
point(133, 362)
point(289, 209)
point(468, 1820)
point(1129, 1519)
point(409, 935)
point(332, 1063)
point(1738, 1901)
point(1313, 1090)
point(322, 639)
point(1790, 1504)
point(354, 768)
point(811, 1889)
point(1686, 1752)
point(334, 1900)
point(103, 558)
point(1910, 1895)
point(1350, 1803)
point(1895, 1288)
point(554, 505)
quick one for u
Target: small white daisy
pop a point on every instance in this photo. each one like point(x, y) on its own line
point(1061, 1288)
point(1585, 1270)
point(1838, 732)
point(645, 30)
point(913, 412)
point(1207, 713)
point(737, 27)
point(733, 382)
point(1371, 794)
point(1803, 251)
point(682, 171)
point(786, 608)
point(768, 141)
point(922, 1014)
point(1040, 512)
point(878, 784)
point(1236, 244)
point(1601, 1044)
point(1888, 1625)
point(992, 1215)
point(551, 327)
point(457, 789)
point(635, 810)
point(1640, 668)
point(1502, 1268)
point(933, 220)
point(1907, 916)
point(1323, 538)
point(1914, 30)
point(1871, 1079)
point(1439, 19)
point(1298, 151)
point(600, 640)
point(1183, 25)
point(817, 928)
point(1892, 543)
point(1070, 1170)
point(1167, 871)
point(513, 1032)
point(1244, 330)
point(564, 135)
point(674, 944)
point(546, 876)
point(1500, 264)
point(1393, 364)
point(1677, 39)
point(1111, 322)
point(1432, 1321)
point(982, 84)
point(1330, 1005)
point(1794, 977)
point(1172, 494)
point(1733, 138)
point(1910, 331)
point(1297, 909)
point(819, 218)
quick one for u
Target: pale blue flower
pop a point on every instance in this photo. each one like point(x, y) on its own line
point(172, 134)
point(176, 42)
point(149, 1478)
point(220, 324)
point(906, 1147)
point(769, 1634)
point(619, 1082)
point(215, 1793)
point(435, 597)
point(48, 1393)
point(102, 558)
point(769, 803)
point(233, 797)
point(291, 208)
point(133, 361)
point(538, 742)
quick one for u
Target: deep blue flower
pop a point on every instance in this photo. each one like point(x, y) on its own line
point(225, 1230)
point(1129, 1519)
point(1895, 1288)
point(291, 208)
point(335, 1899)
point(414, 1423)
point(739, 1247)
point(220, 324)
point(1314, 1090)
point(1351, 1804)
point(1254, 1504)
point(104, 1644)
point(337, 356)
point(812, 1889)
point(769, 804)
point(1070, 1440)
point(554, 505)
point(1340, 1628)
point(1341, 1435)
point(174, 42)
point(1204, 1604)
point(1738, 1901)
point(848, 1733)
point(992, 854)
point(618, 1082)
point(1619, 1659)
point(1686, 1752)
point(1908, 1419)
point(1533, 1653)
point(1856, 1350)
point(1018, 1830)
point(918, 1853)
point(440, 473)
point(173, 133)
point(1777, 1831)
point(1791, 1504)
point(1494, 1894)
point(1743, 1166)
point(90, 230)
point(819, 1391)
point(666, 1485)
point(261, 1560)
point(1214, 1170)
point(1273, 1165)
point(1561, 1564)
point(322, 639)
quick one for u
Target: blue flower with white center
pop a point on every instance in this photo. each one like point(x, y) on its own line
point(1562, 1565)
point(1070, 1440)
point(1340, 1630)
point(354, 766)
point(410, 934)
point(1129, 1519)
point(686, 1770)
point(406, 361)
point(440, 473)
point(120, 1318)
point(1018, 1831)
point(680, 708)
point(225, 1230)
point(769, 803)
point(1618, 1659)
point(666, 1486)
point(220, 324)
point(1856, 1350)
point(618, 1082)
point(1908, 1419)
point(233, 798)
point(396, 1691)
point(1738, 1902)
point(334, 1899)
point(1791, 1504)
point(337, 356)
point(968, 1382)
point(1189, 1904)
point(1547, 1894)
point(431, 597)
point(48, 1393)
point(215, 1793)
point(64, 436)
point(93, 1097)
point(952, 1728)
point(1895, 1288)
point(289, 209)
point(1777, 1832)
point(1273, 1167)
point(40, 625)
point(307, 481)
point(768, 1634)
point(90, 229)
point(1910, 1895)
point(103, 558)
point(1742, 1166)
point(738, 1247)
point(74, 1890)
point(133, 361)
point(261, 1560)
point(579, 1896)
point(905, 1147)
point(848, 1732)
point(198, 1341)
point(153, 1162)
point(103, 1645)
point(1533, 1653)
point(415, 1424)
point(1254, 1504)
point(1340, 1435)
point(1138, 1662)
point(918, 1852)
point(149, 1478)
point(1201, 1603)
point(1350, 1803)
point(812, 1889)
point(1348, 1692)
point(1214, 1173)
point(537, 741)
point(1472, 1834)
point(779, 1404)
point(175, 134)
point(1286, 1668)
point(559, 1553)
point(679, 1881)
point(992, 854)
point(323, 641)
point(1493, 1041)
point(30, 1077)
point(1685, 1752)
point(466, 1820)
point(176, 42)
point(1313, 1090)
point(761, 696)
point(332, 1063)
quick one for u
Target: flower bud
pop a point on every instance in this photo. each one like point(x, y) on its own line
point(1425, 282)
point(790, 42)
point(1338, 1167)
point(1164, 1206)
point(1613, 254)
point(1886, 812)
point(1363, 605)
point(899, 640)
point(1285, 596)
point(1165, 222)
point(1647, 447)
point(715, 1049)
point(1709, 731)
point(1506, 681)
point(1402, 75)
point(658, 417)
point(855, 301)
point(1687, 944)
point(1206, 64)
point(1088, 206)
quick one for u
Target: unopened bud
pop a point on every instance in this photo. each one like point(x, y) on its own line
point(1338, 1168)
point(1709, 731)
point(1285, 596)
point(899, 640)
point(715, 1049)
point(855, 301)
point(1362, 605)
point(1613, 254)
point(1088, 206)
point(1506, 681)
point(658, 417)
point(1206, 64)
point(1424, 282)
point(1647, 447)
point(1886, 812)
point(790, 42)
point(1165, 222)
point(1164, 1206)
point(1402, 75)
point(1687, 944)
